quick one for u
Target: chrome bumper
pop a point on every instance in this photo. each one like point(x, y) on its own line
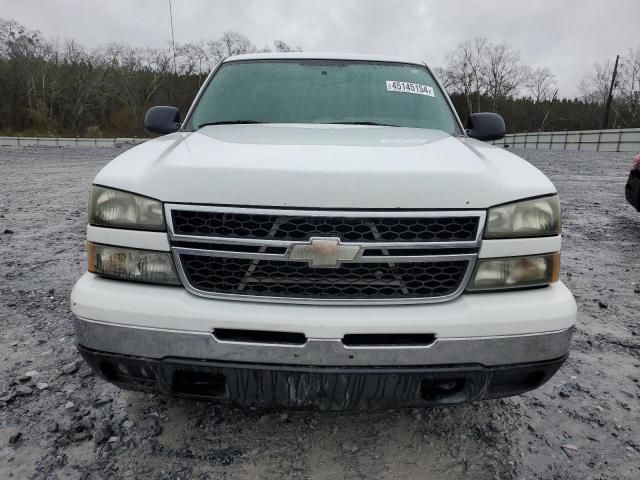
point(162, 343)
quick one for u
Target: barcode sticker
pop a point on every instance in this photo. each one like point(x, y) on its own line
point(406, 87)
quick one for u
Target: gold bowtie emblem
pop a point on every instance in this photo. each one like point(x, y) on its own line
point(324, 252)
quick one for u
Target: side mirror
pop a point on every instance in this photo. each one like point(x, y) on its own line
point(486, 126)
point(162, 120)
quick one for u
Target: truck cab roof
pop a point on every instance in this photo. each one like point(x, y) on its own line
point(322, 56)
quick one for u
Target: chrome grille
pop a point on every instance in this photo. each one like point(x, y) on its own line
point(299, 227)
point(294, 279)
point(373, 257)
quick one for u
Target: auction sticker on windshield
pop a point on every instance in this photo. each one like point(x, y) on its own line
point(406, 87)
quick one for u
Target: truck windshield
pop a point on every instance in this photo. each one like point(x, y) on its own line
point(324, 92)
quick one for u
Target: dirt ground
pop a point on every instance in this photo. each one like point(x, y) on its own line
point(58, 420)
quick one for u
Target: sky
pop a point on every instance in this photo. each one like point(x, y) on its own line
point(566, 36)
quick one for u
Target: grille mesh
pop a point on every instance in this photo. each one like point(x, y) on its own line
point(296, 279)
point(274, 227)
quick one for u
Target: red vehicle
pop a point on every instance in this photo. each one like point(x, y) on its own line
point(632, 190)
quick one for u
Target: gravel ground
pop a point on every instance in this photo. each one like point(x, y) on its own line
point(58, 420)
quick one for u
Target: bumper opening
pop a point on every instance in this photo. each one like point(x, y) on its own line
point(198, 383)
point(509, 381)
point(259, 336)
point(388, 340)
point(131, 373)
point(438, 389)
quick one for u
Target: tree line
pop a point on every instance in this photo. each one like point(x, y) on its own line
point(60, 88)
point(483, 76)
point(52, 87)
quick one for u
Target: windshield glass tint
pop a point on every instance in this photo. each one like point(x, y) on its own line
point(319, 91)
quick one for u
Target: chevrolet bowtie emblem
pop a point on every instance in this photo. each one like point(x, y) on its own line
point(324, 252)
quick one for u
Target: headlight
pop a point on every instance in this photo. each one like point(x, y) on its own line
point(515, 272)
point(529, 218)
point(113, 208)
point(132, 264)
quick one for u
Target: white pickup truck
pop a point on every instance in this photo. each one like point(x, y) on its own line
point(322, 232)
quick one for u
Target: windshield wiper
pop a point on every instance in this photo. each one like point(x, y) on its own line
point(229, 122)
point(364, 123)
point(250, 122)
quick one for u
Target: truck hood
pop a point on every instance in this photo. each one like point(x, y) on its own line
point(324, 166)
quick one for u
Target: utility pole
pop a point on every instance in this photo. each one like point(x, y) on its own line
point(607, 109)
point(173, 43)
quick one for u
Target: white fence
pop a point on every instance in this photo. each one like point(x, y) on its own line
point(617, 140)
point(68, 142)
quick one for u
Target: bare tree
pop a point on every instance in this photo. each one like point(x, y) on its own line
point(541, 84)
point(505, 74)
point(231, 43)
point(466, 70)
point(193, 59)
point(16, 40)
point(18, 47)
point(281, 46)
point(594, 86)
point(445, 77)
point(594, 89)
point(628, 88)
point(477, 68)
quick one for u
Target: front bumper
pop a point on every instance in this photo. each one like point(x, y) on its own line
point(161, 343)
point(164, 339)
